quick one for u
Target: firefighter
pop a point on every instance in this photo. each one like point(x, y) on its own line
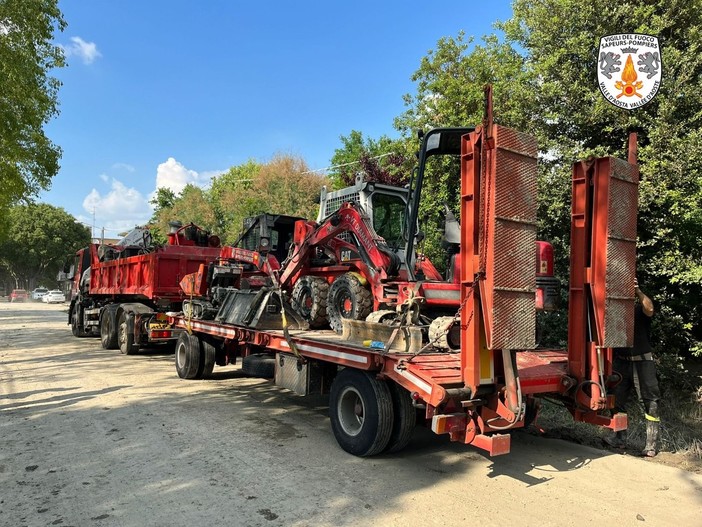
point(638, 370)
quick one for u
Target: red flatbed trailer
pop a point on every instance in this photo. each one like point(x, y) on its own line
point(428, 377)
point(492, 383)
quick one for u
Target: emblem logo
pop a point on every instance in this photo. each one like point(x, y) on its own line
point(629, 69)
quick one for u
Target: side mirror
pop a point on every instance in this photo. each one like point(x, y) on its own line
point(419, 236)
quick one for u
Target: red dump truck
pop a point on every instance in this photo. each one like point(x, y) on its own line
point(122, 292)
point(482, 374)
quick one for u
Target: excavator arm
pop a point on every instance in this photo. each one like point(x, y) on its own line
point(380, 262)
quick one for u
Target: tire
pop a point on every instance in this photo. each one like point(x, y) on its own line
point(125, 334)
point(309, 297)
point(208, 355)
point(187, 356)
point(361, 412)
point(348, 299)
point(75, 327)
point(259, 365)
point(405, 419)
point(108, 331)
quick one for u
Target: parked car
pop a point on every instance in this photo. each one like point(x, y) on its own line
point(19, 295)
point(54, 296)
point(39, 292)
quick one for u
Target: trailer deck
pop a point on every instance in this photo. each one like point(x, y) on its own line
point(428, 374)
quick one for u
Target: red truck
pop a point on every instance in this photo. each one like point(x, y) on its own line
point(123, 292)
point(482, 375)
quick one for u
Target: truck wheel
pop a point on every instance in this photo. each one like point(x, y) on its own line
point(309, 298)
point(259, 365)
point(348, 299)
point(125, 334)
point(405, 419)
point(187, 356)
point(108, 331)
point(75, 326)
point(360, 408)
point(207, 359)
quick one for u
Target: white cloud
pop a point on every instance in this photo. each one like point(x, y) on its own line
point(86, 51)
point(105, 177)
point(118, 210)
point(175, 176)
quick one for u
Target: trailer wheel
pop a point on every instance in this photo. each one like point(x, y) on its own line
point(405, 419)
point(125, 334)
point(348, 299)
point(108, 331)
point(187, 356)
point(259, 365)
point(309, 298)
point(207, 359)
point(361, 413)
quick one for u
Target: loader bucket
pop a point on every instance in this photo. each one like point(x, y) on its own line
point(258, 309)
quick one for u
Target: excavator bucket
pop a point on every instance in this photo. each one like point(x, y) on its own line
point(258, 309)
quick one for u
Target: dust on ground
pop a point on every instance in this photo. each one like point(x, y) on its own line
point(92, 437)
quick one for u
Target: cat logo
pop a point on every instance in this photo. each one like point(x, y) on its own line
point(622, 83)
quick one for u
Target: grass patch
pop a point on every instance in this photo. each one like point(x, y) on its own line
point(681, 425)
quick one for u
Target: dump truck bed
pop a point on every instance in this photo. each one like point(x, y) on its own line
point(152, 276)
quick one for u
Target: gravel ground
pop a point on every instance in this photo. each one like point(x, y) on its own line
point(91, 437)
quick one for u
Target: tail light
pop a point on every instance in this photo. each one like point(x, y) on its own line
point(547, 285)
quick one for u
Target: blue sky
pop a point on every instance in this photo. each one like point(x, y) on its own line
point(171, 92)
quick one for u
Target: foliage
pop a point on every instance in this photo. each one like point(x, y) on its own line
point(28, 96)
point(384, 161)
point(192, 205)
point(544, 78)
point(282, 186)
point(39, 238)
point(560, 39)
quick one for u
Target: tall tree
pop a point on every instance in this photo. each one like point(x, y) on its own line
point(28, 96)
point(39, 239)
point(560, 39)
point(284, 185)
point(545, 81)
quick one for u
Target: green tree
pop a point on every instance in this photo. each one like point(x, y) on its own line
point(39, 238)
point(385, 160)
point(284, 185)
point(560, 39)
point(28, 96)
point(545, 81)
point(237, 178)
point(193, 204)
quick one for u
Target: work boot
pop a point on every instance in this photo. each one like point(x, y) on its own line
point(652, 432)
point(617, 440)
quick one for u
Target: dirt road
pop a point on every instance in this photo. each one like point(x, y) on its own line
point(91, 437)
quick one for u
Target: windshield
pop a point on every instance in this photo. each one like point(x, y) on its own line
point(389, 218)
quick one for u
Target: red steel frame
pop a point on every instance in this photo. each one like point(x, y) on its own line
point(602, 271)
point(468, 394)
